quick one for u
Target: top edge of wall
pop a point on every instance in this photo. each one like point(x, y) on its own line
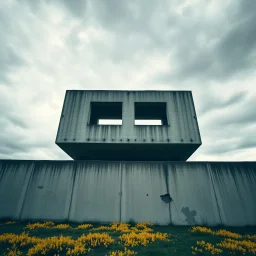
point(128, 91)
point(26, 160)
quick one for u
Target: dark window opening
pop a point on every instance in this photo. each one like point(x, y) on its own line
point(106, 113)
point(150, 113)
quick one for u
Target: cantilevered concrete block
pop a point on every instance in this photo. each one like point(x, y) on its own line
point(129, 125)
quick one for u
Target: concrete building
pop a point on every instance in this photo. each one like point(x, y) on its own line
point(130, 150)
point(174, 135)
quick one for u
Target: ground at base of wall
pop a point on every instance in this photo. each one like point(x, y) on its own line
point(120, 239)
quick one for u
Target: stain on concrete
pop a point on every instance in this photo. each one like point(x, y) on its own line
point(190, 215)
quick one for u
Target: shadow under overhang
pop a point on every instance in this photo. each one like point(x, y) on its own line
point(129, 151)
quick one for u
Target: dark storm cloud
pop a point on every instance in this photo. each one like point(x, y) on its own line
point(223, 55)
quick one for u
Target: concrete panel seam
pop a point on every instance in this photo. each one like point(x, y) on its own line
point(28, 184)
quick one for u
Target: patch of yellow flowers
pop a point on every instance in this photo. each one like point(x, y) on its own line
point(221, 232)
point(240, 247)
point(55, 244)
point(133, 236)
point(33, 226)
point(207, 247)
point(125, 228)
point(21, 240)
point(50, 224)
point(142, 238)
point(115, 227)
point(126, 252)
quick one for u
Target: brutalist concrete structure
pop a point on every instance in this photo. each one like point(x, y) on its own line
point(127, 171)
point(175, 138)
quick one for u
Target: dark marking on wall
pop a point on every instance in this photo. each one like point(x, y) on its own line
point(166, 198)
point(190, 215)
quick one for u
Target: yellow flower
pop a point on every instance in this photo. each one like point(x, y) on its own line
point(48, 224)
point(10, 222)
point(126, 252)
point(84, 226)
point(62, 226)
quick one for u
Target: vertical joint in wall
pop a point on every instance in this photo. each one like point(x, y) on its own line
point(24, 199)
point(73, 185)
point(121, 192)
point(166, 177)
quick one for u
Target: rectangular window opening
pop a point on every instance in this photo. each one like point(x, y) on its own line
point(150, 113)
point(106, 113)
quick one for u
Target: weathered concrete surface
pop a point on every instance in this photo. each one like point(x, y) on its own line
point(176, 141)
point(209, 193)
point(95, 195)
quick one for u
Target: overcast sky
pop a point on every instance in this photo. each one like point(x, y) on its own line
point(208, 47)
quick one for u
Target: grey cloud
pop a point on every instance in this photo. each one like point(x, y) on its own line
point(9, 59)
point(77, 7)
point(11, 147)
point(235, 98)
point(243, 117)
point(246, 115)
point(215, 102)
point(148, 18)
point(237, 50)
point(137, 29)
point(247, 142)
point(15, 144)
point(9, 55)
point(33, 5)
point(223, 55)
point(17, 121)
point(9, 115)
point(217, 150)
point(233, 119)
point(250, 142)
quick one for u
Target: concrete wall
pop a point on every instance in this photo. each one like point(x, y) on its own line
point(203, 193)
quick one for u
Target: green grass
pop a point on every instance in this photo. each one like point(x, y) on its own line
point(182, 239)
